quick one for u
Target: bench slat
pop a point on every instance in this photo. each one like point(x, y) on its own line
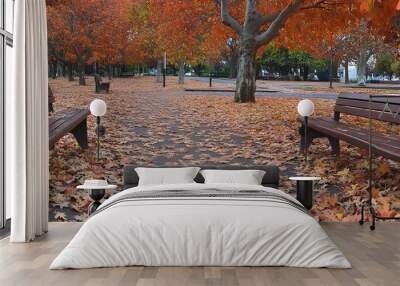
point(379, 106)
point(377, 115)
point(65, 122)
point(395, 99)
point(388, 146)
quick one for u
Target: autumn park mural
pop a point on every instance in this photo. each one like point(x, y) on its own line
point(235, 72)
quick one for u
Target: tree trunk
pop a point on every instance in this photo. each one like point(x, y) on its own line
point(181, 73)
point(331, 72)
point(63, 68)
point(159, 70)
point(82, 80)
point(233, 64)
point(346, 72)
point(70, 72)
point(60, 71)
point(362, 68)
point(54, 70)
point(306, 71)
point(246, 77)
point(110, 72)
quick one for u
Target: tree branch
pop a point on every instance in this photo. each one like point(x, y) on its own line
point(320, 4)
point(265, 19)
point(228, 20)
point(278, 23)
point(250, 10)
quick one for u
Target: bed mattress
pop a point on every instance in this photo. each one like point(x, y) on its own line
point(201, 225)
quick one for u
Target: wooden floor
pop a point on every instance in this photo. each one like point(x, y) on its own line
point(375, 257)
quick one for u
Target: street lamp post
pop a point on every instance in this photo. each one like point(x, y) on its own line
point(98, 108)
point(306, 108)
point(165, 69)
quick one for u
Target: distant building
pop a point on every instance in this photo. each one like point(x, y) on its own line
point(352, 73)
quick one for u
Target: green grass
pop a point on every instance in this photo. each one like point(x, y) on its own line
point(309, 88)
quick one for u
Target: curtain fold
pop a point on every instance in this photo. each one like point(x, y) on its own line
point(27, 123)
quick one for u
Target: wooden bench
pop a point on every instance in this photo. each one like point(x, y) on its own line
point(357, 105)
point(51, 99)
point(71, 121)
point(100, 85)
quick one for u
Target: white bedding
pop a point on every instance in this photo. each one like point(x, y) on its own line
point(200, 231)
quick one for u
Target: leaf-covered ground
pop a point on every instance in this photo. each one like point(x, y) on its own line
point(149, 125)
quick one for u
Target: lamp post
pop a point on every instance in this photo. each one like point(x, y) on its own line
point(98, 108)
point(164, 69)
point(306, 108)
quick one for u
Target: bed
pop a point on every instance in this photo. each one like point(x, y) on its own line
point(199, 224)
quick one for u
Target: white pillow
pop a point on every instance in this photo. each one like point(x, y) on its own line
point(247, 177)
point(166, 176)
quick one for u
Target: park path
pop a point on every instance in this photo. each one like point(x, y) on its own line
point(304, 89)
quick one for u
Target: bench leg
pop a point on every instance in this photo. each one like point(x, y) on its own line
point(80, 134)
point(106, 87)
point(335, 145)
point(313, 134)
point(51, 107)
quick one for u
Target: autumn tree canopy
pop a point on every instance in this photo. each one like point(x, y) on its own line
point(115, 32)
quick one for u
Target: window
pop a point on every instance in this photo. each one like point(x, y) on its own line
point(6, 62)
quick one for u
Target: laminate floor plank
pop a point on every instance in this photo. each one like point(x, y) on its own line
point(375, 257)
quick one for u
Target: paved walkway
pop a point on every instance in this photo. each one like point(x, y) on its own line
point(305, 89)
point(280, 89)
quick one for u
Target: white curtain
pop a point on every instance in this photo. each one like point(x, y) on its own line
point(27, 124)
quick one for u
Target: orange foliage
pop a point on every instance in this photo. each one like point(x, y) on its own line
point(129, 31)
point(186, 30)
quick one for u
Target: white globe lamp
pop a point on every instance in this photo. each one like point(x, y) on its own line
point(98, 108)
point(306, 107)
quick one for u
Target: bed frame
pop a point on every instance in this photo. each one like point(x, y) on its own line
point(271, 177)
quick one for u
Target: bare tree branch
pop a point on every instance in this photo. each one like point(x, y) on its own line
point(228, 20)
point(320, 4)
point(265, 19)
point(250, 11)
point(277, 24)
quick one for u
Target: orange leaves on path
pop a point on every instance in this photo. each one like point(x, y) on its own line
point(148, 125)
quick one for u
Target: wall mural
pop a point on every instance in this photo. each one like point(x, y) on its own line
point(129, 49)
point(150, 125)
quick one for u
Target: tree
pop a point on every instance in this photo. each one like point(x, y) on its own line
point(70, 27)
point(360, 45)
point(282, 60)
point(233, 56)
point(395, 67)
point(276, 60)
point(258, 28)
point(85, 32)
point(383, 64)
point(114, 35)
point(184, 29)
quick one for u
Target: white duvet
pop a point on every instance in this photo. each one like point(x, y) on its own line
point(200, 232)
